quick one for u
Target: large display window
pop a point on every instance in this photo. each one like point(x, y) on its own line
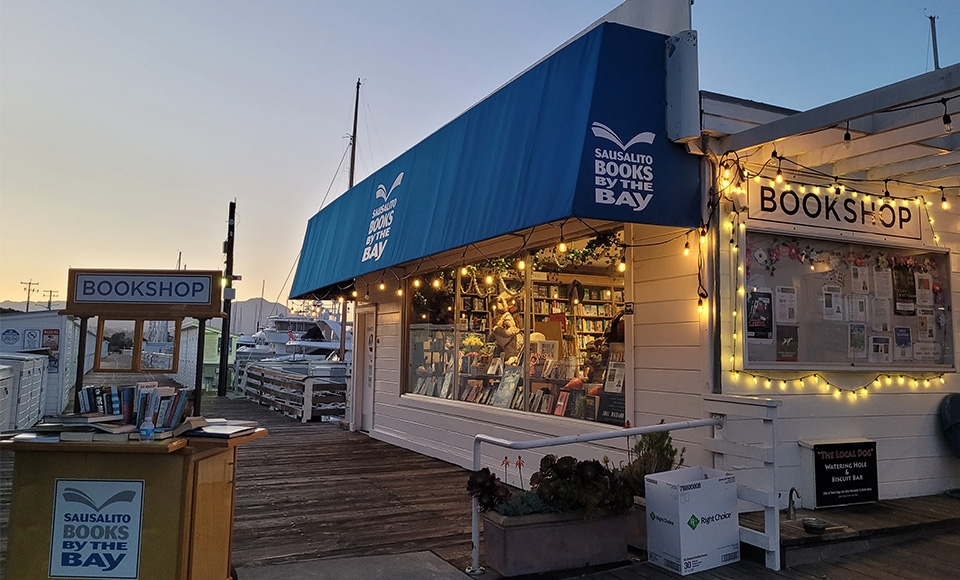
point(540, 333)
point(836, 305)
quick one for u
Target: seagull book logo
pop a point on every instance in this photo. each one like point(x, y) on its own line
point(622, 177)
point(74, 495)
point(604, 132)
point(382, 192)
point(380, 221)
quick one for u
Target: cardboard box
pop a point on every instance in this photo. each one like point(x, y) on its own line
point(692, 519)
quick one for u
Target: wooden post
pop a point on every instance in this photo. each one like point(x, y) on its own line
point(307, 400)
point(198, 380)
point(81, 363)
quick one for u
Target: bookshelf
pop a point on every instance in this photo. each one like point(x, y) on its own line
point(586, 320)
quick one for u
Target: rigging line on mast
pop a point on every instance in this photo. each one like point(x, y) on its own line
point(287, 279)
point(335, 174)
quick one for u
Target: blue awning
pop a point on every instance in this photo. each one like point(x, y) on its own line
point(582, 134)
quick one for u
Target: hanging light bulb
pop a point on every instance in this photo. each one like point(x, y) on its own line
point(366, 295)
point(416, 282)
point(622, 266)
point(703, 234)
point(947, 122)
point(488, 280)
point(886, 190)
point(700, 305)
point(779, 178)
point(846, 137)
point(354, 294)
point(437, 282)
point(943, 199)
point(686, 248)
point(562, 246)
point(383, 286)
point(521, 265)
point(463, 271)
point(399, 291)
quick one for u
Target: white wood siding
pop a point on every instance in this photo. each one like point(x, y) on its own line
point(670, 354)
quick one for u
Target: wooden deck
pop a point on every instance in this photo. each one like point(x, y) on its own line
point(313, 491)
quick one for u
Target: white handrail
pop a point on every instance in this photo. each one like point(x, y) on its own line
point(475, 568)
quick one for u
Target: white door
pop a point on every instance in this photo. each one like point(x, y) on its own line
point(367, 321)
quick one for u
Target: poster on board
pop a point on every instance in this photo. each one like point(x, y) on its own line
point(97, 526)
point(760, 315)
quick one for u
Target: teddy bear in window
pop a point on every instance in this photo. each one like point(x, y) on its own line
point(506, 333)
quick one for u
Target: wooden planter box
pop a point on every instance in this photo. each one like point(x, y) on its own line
point(546, 542)
point(637, 526)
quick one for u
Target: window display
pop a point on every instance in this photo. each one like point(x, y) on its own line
point(558, 362)
point(845, 305)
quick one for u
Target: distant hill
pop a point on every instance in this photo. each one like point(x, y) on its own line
point(34, 305)
point(244, 314)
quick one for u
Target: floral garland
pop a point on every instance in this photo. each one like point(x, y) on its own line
point(768, 255)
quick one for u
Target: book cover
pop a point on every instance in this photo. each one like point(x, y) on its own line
point(115, 427)
point(189, 424)
point(504, 395)
point(115, 407)
point(536, 400)
point(561, 407)
point(127, 397)
point(85, 418)
point(76, 436)
point(572, 399)
point(98, 399)
point(590, 404)
point(112, 437)
point(221, 431)
point(546, 406)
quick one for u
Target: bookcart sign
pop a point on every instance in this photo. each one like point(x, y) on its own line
point(97, 527)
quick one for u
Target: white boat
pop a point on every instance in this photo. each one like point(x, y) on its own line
point(297, 337)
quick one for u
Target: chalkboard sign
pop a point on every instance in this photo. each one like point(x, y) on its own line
point(845, 473)
point(612, 408)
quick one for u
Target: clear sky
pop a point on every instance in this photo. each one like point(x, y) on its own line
point(127, 127)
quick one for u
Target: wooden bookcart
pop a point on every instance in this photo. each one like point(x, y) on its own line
point(187, 505)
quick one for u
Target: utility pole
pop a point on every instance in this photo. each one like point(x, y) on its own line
point(50, 294)
point(227, 298)
point(29, 289)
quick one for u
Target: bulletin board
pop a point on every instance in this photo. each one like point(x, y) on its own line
point(834, 305)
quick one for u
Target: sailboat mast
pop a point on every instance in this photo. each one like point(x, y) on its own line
point(353, 165)
point(353, 136)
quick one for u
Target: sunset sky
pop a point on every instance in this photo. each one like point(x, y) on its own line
point(126, 128)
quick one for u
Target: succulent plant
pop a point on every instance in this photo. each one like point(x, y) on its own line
point(488, 489)
point(566, 484)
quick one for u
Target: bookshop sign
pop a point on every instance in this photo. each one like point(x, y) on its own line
point(821, 207)
point(96, 529)
point(144, 293)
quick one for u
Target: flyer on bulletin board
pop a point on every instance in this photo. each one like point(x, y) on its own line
point(857, 340)
point(902, 343)
point(760, 315)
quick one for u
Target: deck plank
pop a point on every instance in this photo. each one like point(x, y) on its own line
point(313, 491)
